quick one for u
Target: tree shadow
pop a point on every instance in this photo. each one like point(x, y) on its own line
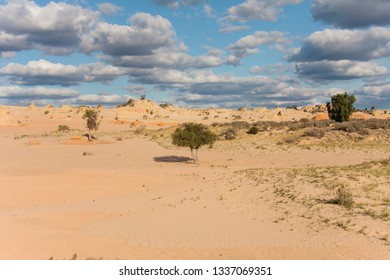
point(173, 159)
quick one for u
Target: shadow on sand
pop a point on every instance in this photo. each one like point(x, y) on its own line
point(173, 159)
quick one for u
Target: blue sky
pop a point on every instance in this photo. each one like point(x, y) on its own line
point(197, 53)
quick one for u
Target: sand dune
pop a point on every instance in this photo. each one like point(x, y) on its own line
point(132, 195)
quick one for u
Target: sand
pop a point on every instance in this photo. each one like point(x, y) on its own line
point(131, 194)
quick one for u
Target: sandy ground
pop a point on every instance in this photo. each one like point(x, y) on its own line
point(132, 195)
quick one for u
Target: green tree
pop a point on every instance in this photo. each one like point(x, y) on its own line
point(193, 136)
point(93, 121)
point(342, 107)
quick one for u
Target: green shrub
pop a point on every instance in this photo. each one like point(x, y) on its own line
point(193, 136)
point(253, 130)
point(341, 108)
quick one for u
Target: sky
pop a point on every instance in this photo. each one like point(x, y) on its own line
point(195, 53)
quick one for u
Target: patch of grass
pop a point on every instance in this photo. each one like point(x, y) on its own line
point(386, 201)
point(343, 197)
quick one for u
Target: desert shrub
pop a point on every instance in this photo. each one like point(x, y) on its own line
point(93, 120)
point(314, 132)
point(323, 123)
point(375, 124)
point(140, 130)
point(267, 125)
point(364, 132)
point(253, 130)
point(63, 128)
point(353, 126)
point(205, 118)
point(341, 107)
point(46, 112)
point(165, 105)
point(304, 120)
point(194, 136)
point(230, 133)
point(241, 125)
point(129, 103)
point(289, 140)
point(295, 126)
point(343, 197)
point(237, 117)
point(145, 117)
point(216, 124)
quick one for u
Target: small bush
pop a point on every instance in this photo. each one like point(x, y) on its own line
point(230, 133)
point(47, 112)
point(165, 105)
point(343, 197)
point(323, 123)
point(63, 128)
point(140, 130)
point(375, 123)
point(253, 130)
point(314, 132)
point(289, 140)
point(241, 125)
point(347, 127)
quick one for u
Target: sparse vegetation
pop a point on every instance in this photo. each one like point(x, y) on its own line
point(315, 132)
